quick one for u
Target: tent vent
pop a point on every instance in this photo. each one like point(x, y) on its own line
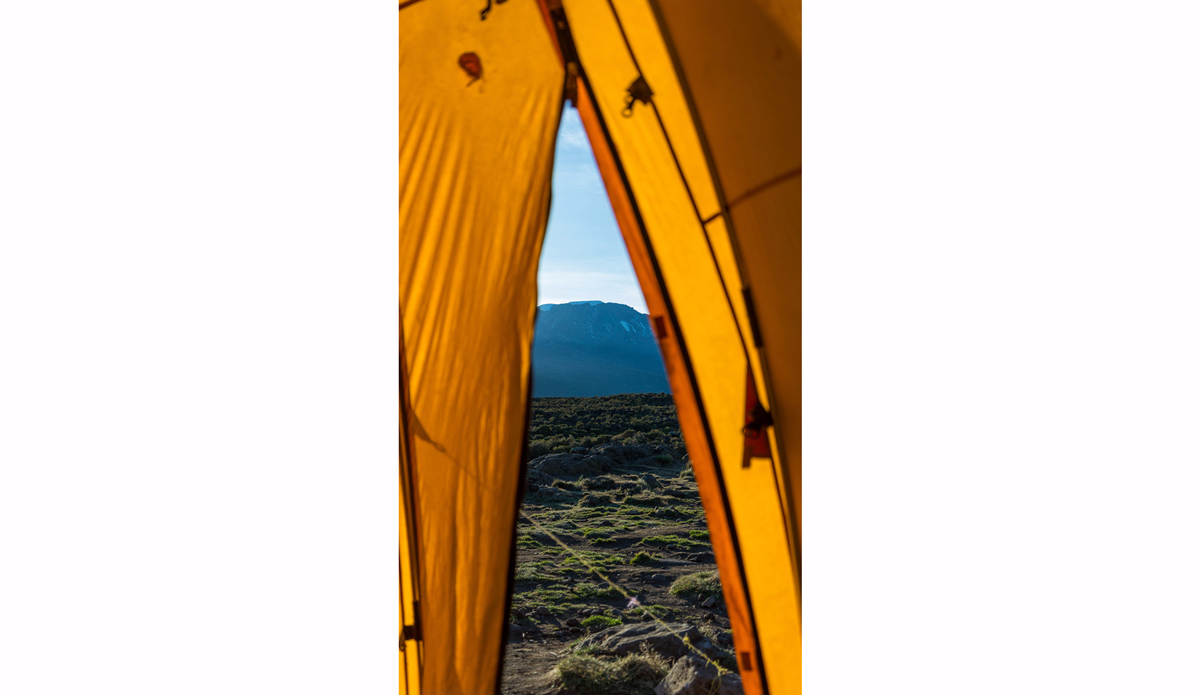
point(638, 91)
point(747, 664)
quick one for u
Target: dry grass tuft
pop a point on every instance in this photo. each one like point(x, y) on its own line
point(703, 584)
point(633, 674)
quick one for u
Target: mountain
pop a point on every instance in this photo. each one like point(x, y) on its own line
point(595, 349)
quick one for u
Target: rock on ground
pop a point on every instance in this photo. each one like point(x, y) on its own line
point(692, 676)
point(592, 465)
point(567, 466)
point(620, 640)
point(623, 453)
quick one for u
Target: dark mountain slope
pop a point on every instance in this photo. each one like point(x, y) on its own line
point(595, 349)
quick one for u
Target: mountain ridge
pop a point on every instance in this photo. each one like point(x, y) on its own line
point(595, 348)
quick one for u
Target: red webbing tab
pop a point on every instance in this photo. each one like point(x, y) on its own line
point(758, 445)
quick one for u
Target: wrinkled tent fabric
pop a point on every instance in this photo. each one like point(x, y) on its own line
point(475, 160)
point(704, 179)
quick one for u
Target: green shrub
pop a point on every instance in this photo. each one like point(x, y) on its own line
point(601, 482)
point(660, 612)
point(582, 514)
point(596, 536)
point(673, 541)
point(589, 590)
point(646, 500)
point(529, 572)
point(723, 657)
point(677, 512)
point(544, 497)
point(594, 558)
point(599, 622)
point(526, 541)
point(633, 674)
point(642, 558)
point(538, 448)
point(701, 584)
point(595, 499)
point(550, 597)
point(625, 417)
point(699, 535)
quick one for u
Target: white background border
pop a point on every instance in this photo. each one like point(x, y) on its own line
point(198, 373)
point(1001, 347)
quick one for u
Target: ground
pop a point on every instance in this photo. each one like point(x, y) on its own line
point(641, 525)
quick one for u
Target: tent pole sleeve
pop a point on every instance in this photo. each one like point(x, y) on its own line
point(410, 625)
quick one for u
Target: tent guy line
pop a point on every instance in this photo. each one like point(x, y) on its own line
point(625, 593)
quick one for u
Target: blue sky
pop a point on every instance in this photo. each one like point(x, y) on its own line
point(584, 257)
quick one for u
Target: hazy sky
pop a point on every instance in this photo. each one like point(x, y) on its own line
point(584, 257)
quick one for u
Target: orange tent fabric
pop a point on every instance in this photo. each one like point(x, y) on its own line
point(476, 150)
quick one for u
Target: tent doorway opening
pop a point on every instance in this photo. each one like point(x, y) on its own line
point(615, 579)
